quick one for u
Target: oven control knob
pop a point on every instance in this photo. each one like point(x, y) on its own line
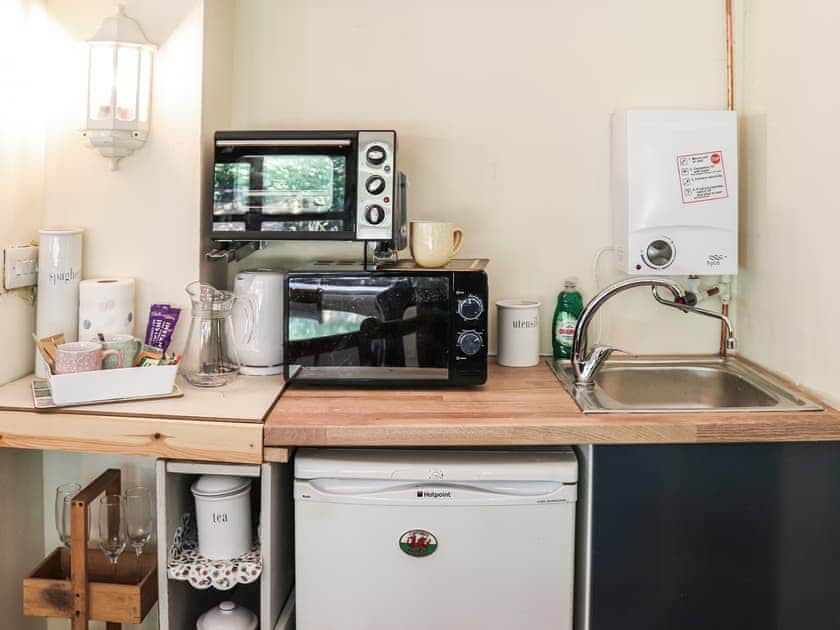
point(375, 214)
point(375, 155)
point(469, 342)
point(375, 185)
point(470, 308)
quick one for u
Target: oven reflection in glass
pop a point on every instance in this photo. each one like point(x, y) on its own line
point(374, 321)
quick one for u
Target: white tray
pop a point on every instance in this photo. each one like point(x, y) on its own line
point(112, 385)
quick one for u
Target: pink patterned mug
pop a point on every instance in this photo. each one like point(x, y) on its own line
point(82, 356)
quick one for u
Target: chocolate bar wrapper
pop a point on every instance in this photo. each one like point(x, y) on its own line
point(162, 321)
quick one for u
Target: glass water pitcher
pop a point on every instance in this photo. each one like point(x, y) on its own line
point(210, 357)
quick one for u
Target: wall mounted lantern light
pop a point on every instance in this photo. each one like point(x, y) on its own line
point(119, 90)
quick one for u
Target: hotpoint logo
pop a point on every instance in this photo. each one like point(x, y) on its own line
point(434, 494)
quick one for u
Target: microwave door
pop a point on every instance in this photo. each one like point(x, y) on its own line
point(375, 344)
point(395, 330)
point(379, 341)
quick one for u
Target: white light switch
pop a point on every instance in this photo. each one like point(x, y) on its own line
point(20, 267)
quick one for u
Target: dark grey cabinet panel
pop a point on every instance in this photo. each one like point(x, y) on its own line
point(714, 536)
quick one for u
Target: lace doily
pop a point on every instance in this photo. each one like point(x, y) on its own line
point(188, 565)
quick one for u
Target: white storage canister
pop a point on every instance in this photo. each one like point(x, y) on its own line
point(227, 616)
point(518, 333)
point(223, 516)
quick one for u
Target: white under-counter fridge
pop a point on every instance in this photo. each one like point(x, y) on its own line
point(434, 539)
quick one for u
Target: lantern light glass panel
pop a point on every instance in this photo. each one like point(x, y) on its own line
point(119, 83)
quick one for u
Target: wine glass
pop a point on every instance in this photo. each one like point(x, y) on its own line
point(63, 511)
point(112, 530)
point(139, 518)
point(63, 501)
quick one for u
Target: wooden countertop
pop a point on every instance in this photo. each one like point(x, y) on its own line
point(517, 406)
point(223, 425)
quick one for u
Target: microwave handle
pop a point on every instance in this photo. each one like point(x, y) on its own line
point(284, 143)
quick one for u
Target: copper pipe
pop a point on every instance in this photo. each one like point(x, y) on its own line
point(730, 105)
point(730, 73)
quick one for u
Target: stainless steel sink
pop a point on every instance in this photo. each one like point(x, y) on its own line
point(656, 385)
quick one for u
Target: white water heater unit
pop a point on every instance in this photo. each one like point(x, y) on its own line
point(675, 192)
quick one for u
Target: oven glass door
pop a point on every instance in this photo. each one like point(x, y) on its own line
point(369, 328)
point(285, 187)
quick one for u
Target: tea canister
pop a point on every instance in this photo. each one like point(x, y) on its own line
point(227, 616)
point(223, 516)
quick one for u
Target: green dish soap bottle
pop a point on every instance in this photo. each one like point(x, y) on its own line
point(566, 314)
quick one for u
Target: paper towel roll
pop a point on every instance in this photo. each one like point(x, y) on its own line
point(106, 305)
point(59, 272)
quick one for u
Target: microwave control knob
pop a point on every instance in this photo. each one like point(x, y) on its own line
point(470, 308)
point(469, 342)
point(375, 185)
point(374, 214)
point(375, 155)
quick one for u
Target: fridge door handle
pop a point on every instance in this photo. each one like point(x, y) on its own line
point(376, 486)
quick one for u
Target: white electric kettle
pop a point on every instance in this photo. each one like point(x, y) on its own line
point(263, 354)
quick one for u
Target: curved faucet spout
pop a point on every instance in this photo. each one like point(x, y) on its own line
point(585, 365)
point(691, 308)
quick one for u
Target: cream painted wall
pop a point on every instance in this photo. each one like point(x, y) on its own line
point(216, 104)
point(790, 138)
point(502, 110)
point(142, 220)
point(22, 34)
point(21, 515)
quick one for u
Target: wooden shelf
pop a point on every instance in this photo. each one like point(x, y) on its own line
point(201, 440)
point(218, 425)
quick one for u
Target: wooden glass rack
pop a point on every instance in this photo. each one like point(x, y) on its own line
point(91, 591)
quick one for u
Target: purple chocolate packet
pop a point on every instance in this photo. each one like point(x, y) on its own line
point(162, 321)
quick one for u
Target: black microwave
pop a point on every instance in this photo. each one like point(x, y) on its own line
point(311, 185)
point(398, 326)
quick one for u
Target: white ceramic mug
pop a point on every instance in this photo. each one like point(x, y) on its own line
point(518, 333)
point(433, 243)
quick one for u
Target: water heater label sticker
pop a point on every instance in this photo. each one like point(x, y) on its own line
point(702, 177)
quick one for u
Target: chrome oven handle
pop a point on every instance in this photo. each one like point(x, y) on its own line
point(284, 143)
